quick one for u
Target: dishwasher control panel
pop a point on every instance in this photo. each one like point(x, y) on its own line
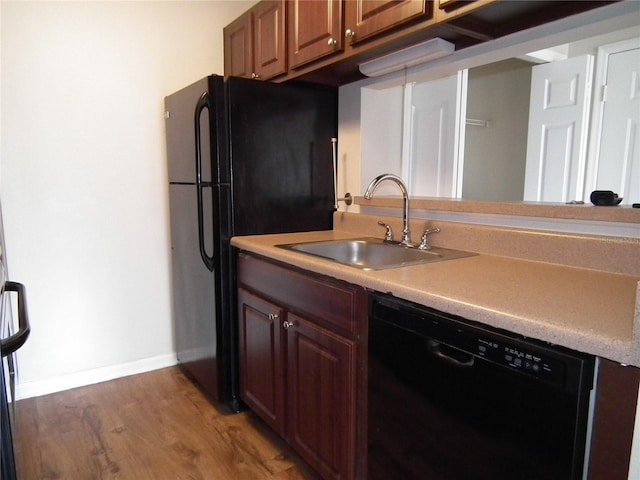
point(531, 362)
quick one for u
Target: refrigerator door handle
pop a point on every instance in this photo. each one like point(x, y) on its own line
point(203, 102)
point(14, 342)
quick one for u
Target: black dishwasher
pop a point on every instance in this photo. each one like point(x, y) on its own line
point(451, 399)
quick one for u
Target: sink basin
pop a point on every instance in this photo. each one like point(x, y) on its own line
point(373, 253)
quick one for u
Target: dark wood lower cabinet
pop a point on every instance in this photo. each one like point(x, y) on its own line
point(303, 371)
point(321, 378)
point(261, 359)
point(615, 407)
point(300, 358)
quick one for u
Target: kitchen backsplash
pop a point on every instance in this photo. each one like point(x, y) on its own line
point(609, 254)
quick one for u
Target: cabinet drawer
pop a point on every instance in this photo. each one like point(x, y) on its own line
point(324, 301)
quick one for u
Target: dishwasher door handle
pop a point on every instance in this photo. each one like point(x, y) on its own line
point(436, 349)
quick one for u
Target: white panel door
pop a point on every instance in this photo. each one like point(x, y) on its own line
point(617, 152)
point(430, 137)
point(558, 125)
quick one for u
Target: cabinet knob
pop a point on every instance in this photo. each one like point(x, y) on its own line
point(332, 42)
point(287, 324)
point(255, 76)
point(273, 316)
point(349, 34)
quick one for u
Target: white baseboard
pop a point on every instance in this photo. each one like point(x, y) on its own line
point(89, 377)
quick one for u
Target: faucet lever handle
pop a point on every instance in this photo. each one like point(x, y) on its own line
point(424, 240)
point(388, 236)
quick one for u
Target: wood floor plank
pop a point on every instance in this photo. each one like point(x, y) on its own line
point(156, 425)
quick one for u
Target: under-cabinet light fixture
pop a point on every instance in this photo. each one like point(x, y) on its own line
point(547, 55)
point(408, 57)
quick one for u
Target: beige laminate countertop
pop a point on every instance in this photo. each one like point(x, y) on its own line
point(586, 310)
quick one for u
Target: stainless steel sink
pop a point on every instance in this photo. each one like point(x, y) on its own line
point(373, 253)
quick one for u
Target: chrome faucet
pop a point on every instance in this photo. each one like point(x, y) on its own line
point(368, 194)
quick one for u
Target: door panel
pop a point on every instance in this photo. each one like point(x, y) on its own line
point(367, 18)
point(262, 383)
point(238, 52)
point(431, 138)
point(269, 46)
point(193, 290)
point(181, 154)
point(618, 160)
point(558, 125)
point(321, 373)
point(286, 130)
point(315, 30)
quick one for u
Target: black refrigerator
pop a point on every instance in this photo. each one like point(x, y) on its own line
point(244, 157)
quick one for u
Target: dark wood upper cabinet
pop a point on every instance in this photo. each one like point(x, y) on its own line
point(238, 51)
point(315, 30)
point(269, 41)
point(324, 41)
point(366, 18)
point(255, 43)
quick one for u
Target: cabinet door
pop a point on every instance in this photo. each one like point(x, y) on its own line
point(557, 141)
point(315, 30)
point(365, 18)
point(321, 373)
point(261, 366)
point(238, 51)
point(269, 47)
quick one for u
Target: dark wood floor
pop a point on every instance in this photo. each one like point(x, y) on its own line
point(154, 426)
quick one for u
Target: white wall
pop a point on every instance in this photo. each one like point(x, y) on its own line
point(381, 115)
point(350, 176)
point(83, 182)
point(494, 161)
